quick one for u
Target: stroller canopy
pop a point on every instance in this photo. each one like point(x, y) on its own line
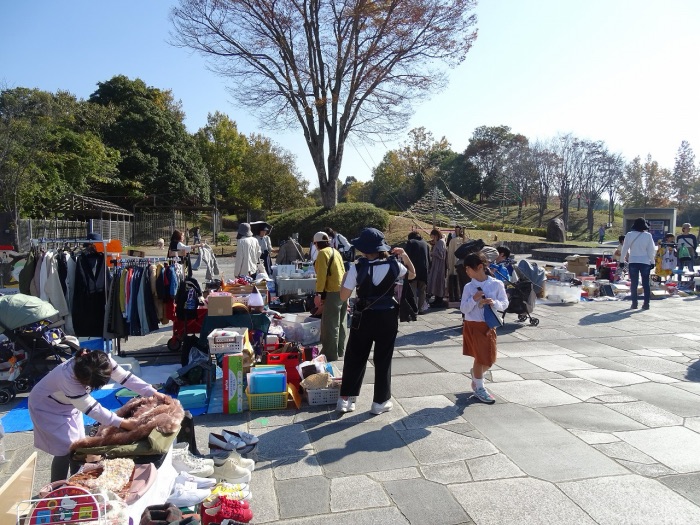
point(532, 272)
point(20, 310)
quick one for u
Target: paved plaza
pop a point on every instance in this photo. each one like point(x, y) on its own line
point(597, 420)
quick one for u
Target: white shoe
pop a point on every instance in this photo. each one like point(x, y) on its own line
point(380, 408)
point(219, 442)
point(231, 473)
point(202, 483)
point(245, 437)
point(238, 460)
point(345, 405)
point(184, 461)
point(187, 495)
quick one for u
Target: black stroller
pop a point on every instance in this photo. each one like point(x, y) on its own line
point(522, 294)
point(39, 344)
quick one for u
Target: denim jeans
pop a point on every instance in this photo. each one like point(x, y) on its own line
point(635, 269)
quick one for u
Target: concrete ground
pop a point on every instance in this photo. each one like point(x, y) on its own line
point(597, 420)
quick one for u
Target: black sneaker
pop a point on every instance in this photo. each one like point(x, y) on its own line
point(645, 306)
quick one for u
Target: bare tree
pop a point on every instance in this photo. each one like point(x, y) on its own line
point(567, 174)
point(546, 165)
point(333, 67)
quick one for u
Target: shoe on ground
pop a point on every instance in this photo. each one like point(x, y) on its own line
point(380, 408)
point(187, 495)
point(228, 510)
point(248, 439)
point(484, 396)
point(236, 459)
point(634, 306)
point(645, 306)
point(183, 461)
point(202, 483)
point(166, 512)
point(345, 405)
point(219, 442)
point(215, 499)
point(229, 472)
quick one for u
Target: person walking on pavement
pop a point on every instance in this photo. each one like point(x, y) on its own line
point(436, 277)
point(375, 320)
point(639, 251)
point(601, 234)
point(334, 310)
point(419, 253)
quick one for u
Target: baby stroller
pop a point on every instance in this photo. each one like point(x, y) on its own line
point(39, 345)
point(522, 294)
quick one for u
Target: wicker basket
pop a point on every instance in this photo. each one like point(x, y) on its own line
point(269, 401)
point(323, 396)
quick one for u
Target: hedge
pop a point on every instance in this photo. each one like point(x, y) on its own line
point(346, 218)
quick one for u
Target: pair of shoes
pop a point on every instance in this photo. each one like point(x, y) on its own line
point(220, 442)
point(241, 437)
point(157, 514)
point(645, 306)
point(231, 470)
point(345, 405)
point(227, 509)
point(380, 408)
point(184, 461)
point(237, 491)
point(202, 483)
point(484, 396)
point(187, 494)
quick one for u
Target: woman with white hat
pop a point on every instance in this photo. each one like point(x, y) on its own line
point(247, 252)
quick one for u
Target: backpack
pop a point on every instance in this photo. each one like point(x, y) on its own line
point(472, 246)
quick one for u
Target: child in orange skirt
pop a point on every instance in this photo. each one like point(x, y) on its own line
point(478, 340)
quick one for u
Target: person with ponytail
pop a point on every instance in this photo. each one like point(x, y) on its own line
point(57, 404)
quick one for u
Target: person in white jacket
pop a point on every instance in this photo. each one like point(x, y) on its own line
point(247, 252)
point(639, 251)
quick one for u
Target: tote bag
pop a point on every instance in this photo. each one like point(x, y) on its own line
point(491, 317)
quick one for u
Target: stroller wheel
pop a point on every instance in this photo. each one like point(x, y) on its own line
point(23, 384)
point(5, 396)
point(534, 321)
point(522, 318)
point(174, 344)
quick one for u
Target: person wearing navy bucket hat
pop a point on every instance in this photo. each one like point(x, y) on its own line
point(375, 320)
point(639, 251)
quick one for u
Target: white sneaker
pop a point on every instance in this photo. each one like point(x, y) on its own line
point(345, 405)
point(231, 473)
point(380, 408)
point(236, 459)
point(202, 483)
point(184, 461)
point(187, 495)
point(184, 449)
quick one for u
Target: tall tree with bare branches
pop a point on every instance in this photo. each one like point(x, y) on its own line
point(335, 68)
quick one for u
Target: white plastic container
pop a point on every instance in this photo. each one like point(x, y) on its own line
point(563, 293)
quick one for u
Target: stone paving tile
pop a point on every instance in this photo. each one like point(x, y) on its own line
point(533, 348)
point(649, 415)
point(357, 492)
point(299, 467)
point(670, 352)
point(532, 393)
point(524, 501)
point(589, 416)
point(593, 438)
point(580, 388)
point(518, 365)
point(503, 376)
point(290, 491)
point(512, 429)
point(687, 485)
point(676, 447)
point(592, 348)
point(608, 364)
point(693, 423)
point(358, 448)
point(282, 442)
point(385, 516)
point(544, 375)
point(658, 378)
point(447, 473)
point(437, 445)
point(497, 466)
point(624, 451)
point(429, 384)
point(423, 412)
point(692, 387)
point(668, 397)
point(416, 499)
point(653, 470)
point(615, 398)
point(557, 363)
point(651, 364)
point(399, 473)
point(262, 485)
point(630, 499)
point(410, 353)
point(449, 358)
point(611, 378)
point(412, 365)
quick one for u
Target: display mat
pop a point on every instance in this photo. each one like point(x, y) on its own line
point(18, 420)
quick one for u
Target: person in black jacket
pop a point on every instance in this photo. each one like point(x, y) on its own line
point(418, 251)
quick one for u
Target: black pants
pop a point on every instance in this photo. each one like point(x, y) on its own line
point(61, 466)
point(378, 327)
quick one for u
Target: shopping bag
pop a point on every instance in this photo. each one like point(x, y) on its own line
point(492, 317)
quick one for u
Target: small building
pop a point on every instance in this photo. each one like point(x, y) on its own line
point(661, 220)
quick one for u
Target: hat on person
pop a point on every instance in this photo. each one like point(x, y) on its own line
point(640, 224)
point(321, 237)
point(244, 230)
point(370, 240)
point(490, 253)
point(255, 298)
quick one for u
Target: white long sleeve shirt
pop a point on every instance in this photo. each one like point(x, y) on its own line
point(492, 288)
point(640, 246)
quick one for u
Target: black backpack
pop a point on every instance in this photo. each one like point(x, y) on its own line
point(471, 246)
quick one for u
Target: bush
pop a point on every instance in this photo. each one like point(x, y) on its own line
point(229, 224)
point(523, 230)
point(346, 218)
point(222, 238)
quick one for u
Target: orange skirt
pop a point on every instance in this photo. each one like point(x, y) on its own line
point(479, 341)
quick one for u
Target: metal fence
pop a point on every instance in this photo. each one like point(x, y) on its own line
point(63, 229)
point(151, 226)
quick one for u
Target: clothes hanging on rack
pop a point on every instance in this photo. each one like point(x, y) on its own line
point(90, 294)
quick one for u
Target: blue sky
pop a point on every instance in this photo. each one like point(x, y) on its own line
point(621, 71)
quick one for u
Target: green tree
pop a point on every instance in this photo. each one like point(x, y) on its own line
point(684, 179)
point(158, 156)
point(645, 184)
point(332, 68)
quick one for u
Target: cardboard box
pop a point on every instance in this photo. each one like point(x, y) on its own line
point(219, 303)
point(578, 269)
point(233, 383)
point(577, 259)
